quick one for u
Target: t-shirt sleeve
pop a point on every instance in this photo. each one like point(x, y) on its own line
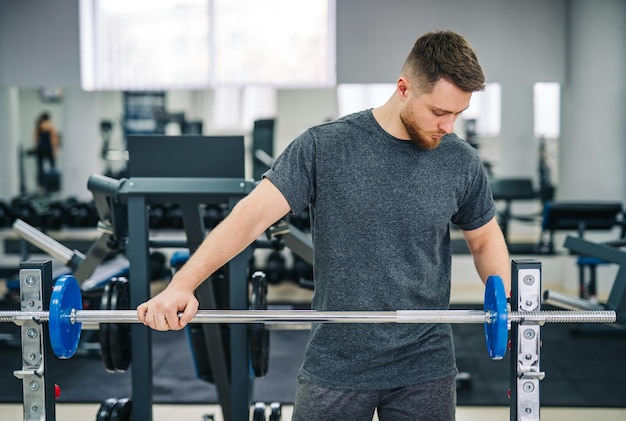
point(477, 207)
point(293, 172)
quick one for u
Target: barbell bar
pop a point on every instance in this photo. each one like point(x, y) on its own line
point(310, 316)
point(65, 316)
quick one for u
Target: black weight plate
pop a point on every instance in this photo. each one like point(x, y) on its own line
point(275, 267)
point(204, 370)
point(258, 335)
point(276, 411)
point(122, 411)
point(104, 412)
point(119, 333)
point(105, 346)
point(259, 412)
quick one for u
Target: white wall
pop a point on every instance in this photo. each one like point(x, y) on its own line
point(516, 41)
point(593, 139)
point(81, 145)
point(39, 43)
point(301, 109)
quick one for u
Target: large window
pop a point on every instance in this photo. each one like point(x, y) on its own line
point(187, 44)
point(353, 97)
point(547, 110)
point(484, 108)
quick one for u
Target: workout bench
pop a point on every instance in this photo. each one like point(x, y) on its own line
point(581, 217)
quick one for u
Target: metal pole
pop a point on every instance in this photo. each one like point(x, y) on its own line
point(43, 242)
point(302, 316)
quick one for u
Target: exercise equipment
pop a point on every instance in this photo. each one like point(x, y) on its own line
point(209, 170)
point(262, 147)
point(66, 316)
point(576, 216)
point(258, 412)
point(57, 215)
point(115, 337)
point(6, 215)
point(213, 215)
point(66, 298)
point(508, 190)
point(62, 310)
point(200, 343)
point(106, 407)
point(114, 409)
point(260, 409)
point(275, 266)
point(581, 217)
point(259, 336)
point(616, 300)
point(276, 411)
point(104, 339)
point(82, 266)
point(546, 187)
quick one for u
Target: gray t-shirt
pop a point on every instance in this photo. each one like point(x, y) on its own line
point(381, 209)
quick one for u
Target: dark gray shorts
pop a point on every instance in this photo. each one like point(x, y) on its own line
point(433, 401)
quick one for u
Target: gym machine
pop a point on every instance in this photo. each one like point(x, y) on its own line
point(617, 297)
point(204, 171)
point(113, 201)
point(508, 190)
point(576, 216)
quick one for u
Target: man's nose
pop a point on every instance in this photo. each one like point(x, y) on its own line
point(446, 124)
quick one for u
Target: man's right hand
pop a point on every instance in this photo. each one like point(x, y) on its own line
point(161, 312)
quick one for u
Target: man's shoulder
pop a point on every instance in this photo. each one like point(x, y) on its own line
point(350, 123)
point(453, 141)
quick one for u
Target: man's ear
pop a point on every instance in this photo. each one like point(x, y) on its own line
point(403, 87)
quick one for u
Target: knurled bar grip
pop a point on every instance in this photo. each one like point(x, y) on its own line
point(300, 316)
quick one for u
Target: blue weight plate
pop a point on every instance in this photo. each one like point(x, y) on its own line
point(64, 335)
point(497, 328)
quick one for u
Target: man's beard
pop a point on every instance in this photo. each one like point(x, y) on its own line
point(417, 136)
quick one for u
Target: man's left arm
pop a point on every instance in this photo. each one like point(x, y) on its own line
point(490, 252)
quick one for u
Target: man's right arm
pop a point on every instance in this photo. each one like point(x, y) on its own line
point(246, 222)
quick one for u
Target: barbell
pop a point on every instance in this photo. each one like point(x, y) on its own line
point(65, 316)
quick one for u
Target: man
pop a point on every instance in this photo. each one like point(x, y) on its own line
point(383, 186)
